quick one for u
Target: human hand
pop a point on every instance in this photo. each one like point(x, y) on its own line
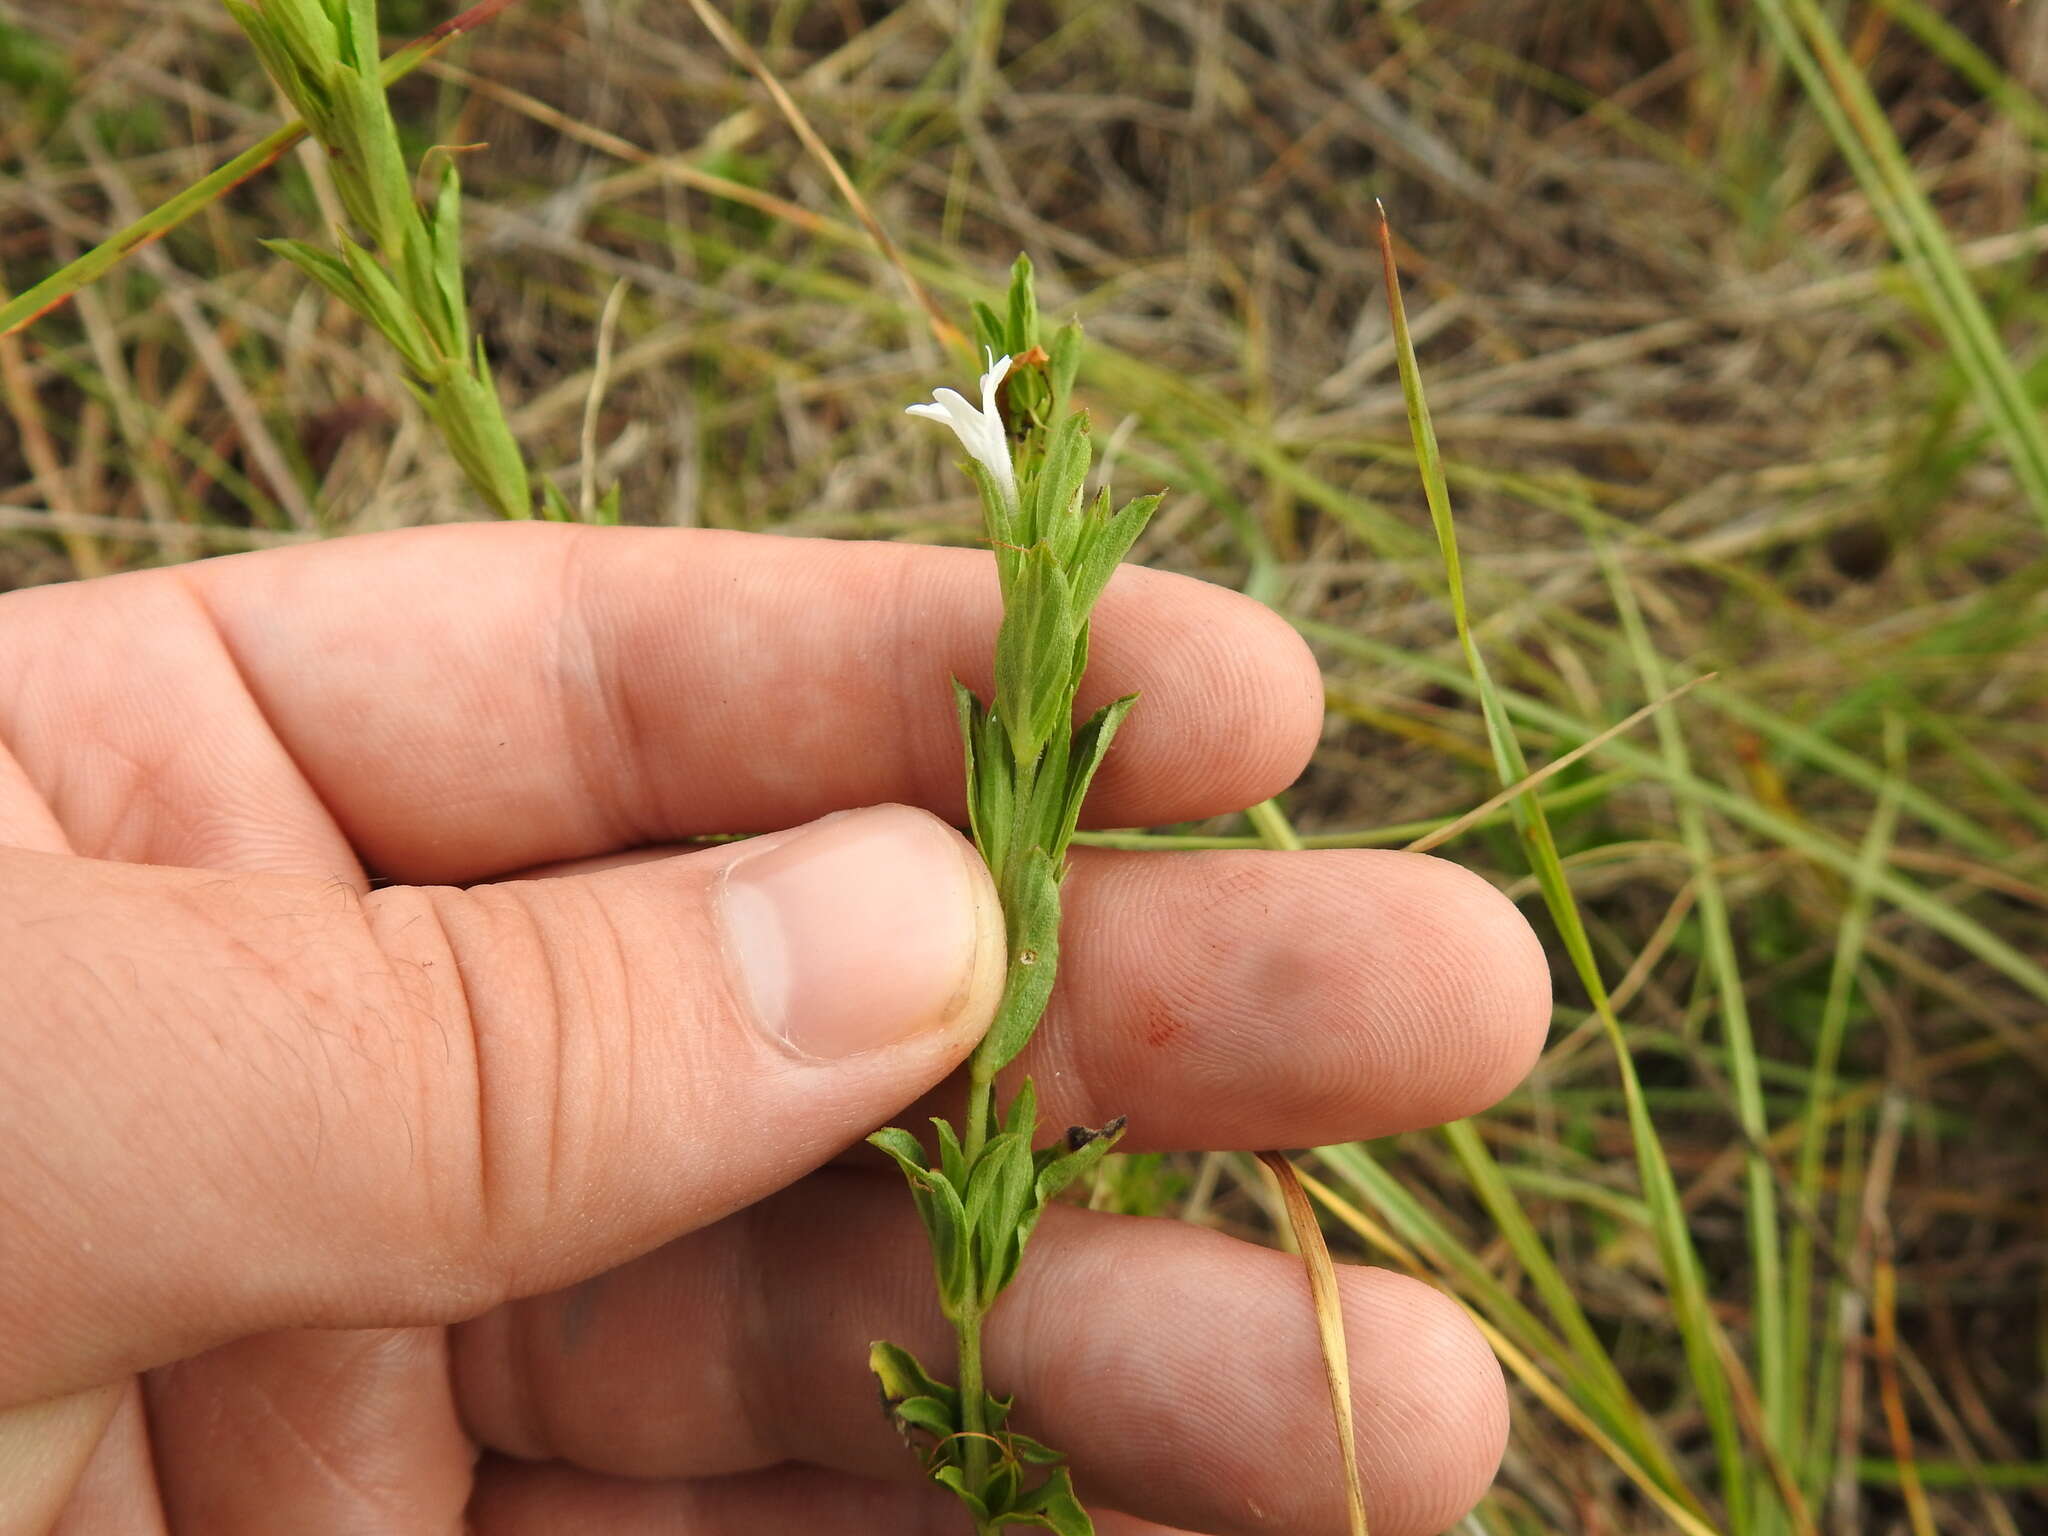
point(337, 1205)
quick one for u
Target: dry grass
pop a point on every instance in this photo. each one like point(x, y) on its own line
point(1657, 317)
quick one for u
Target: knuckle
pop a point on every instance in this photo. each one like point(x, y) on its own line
point(517, 978)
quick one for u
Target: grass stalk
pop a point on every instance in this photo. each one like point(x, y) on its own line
point(1809, 1387)
point(1760, 1209)
point(1835, 85)
point(1698, 1331)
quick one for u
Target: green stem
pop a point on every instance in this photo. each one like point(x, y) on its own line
point(973, 1425)
point(980, 1085)
point(95, 263)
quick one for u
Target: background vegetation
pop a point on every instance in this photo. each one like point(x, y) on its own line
point(1730, 321)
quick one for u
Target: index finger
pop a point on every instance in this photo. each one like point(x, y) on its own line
point(474, 699)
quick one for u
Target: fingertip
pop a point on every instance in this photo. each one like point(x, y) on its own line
point(1432, 1436)
point(1496, 978)
point(1201, 655)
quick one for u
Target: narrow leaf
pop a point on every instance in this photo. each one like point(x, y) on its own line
point(1022, 333)
point(1053, 513)
point(1064, 365)
point(326, 270)
point(1091, 745)
point(1105, 545)
point(1053, 1507)
point(1034, 647)
point(1032, 912)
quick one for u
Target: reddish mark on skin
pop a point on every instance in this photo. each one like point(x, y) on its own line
point(1161, 1027)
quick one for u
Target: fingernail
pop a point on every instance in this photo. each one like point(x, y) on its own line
point(859, 931)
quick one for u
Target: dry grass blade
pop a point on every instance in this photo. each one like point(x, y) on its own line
point(1884, 1314)
point(41, 454)
point(600, 375)
point(1517, 1359)
point(1322, 1286)
point(743, 53)
point(1557, 765)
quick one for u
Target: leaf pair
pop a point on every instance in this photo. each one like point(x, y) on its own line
point(929, 1410)
point(980, 1211)
point(1023, 815)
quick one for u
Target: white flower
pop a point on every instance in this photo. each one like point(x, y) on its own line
point(980, 432)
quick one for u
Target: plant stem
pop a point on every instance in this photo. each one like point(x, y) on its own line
point(973, 1425)
point(980, 1086)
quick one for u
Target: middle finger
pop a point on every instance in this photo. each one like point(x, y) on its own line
point(1178, 1369)
point(1246, 1000)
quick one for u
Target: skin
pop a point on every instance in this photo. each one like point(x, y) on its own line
point(304, 1233)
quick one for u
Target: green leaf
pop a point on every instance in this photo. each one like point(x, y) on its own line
point(1038, 818)
point(1053, 1507)
point(1023, 1115)
point(991, 776)
point(1031, 909)
point(1091, 745)
point(1001, 519)
point(446, 235)
point(902, 1377)
point(467, 411)
point(986, 1176)
point(1064, 366)
point(1084, 1148)
point(304, 31)
point(326, 270)
point(1034, 654)
point(554, 506)
point(1005, 1480)
point(945, 1220)
point(385, 308)
point(952, 1160)
point(956, 1479)
point(904, 1148)
point(1105, 543)
point(1053, 509)
point(356, 25)
point(1000, 1191)
point(989, 331)
point(277, 58)
point(1077, 668)
point(1022, 334)
point(967, 708)
point(1036, 1452)
point(928, 1414)
point(369, 165)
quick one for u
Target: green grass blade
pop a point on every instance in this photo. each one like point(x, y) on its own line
point(1814, 1457)
point(1843, 98)
point(1760, 1209)
point(1698, 1332)
point(1889, 885)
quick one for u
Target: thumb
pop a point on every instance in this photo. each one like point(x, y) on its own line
point(235, 1103)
